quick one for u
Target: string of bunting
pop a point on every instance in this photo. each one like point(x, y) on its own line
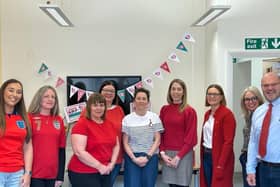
point(173, 57)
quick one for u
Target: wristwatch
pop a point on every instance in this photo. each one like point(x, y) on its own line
point(148, 156)
point(27, 172)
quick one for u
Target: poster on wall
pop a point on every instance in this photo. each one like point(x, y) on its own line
point(73, 112)
point(270, 66)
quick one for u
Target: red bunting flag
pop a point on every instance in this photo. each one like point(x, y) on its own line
point(165, 67)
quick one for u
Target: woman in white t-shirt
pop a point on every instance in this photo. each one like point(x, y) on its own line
point(141, 138)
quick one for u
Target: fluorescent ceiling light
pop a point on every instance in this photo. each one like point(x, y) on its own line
point(210, 15)
point(54, 12)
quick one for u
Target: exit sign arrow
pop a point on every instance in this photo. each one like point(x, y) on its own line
point(276, 43)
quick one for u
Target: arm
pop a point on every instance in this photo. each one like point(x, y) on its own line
point(155, 145)
point(228, 126)
point(115, 154)
point(28, 158)
point(190, 134)
point(79, 148)
point(61, 167)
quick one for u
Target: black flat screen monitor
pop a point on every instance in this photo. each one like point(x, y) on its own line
point(93, 83)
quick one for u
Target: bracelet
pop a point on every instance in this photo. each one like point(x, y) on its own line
point(27, 172)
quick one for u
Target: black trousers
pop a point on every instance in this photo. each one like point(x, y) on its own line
point(89, 179)
point(42, 182)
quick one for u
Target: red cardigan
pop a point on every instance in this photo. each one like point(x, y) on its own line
point(222, 148)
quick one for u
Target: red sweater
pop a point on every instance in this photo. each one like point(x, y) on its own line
point(101, 139)
point(11, 144)
point(180, 129)
point(48, 135)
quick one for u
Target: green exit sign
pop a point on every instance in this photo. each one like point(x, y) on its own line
point(262, 43)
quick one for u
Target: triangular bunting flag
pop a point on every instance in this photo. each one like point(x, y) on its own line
point(131, 90)
point(88, 93)
point(158, 73)
point(59, 82)
point(188, 37)
point(48, 74)
point(173, 57)
point(43, 68)
point(181, 47)
point(73, 90)
point(80, 94)
point(139, 84)
point(165, 67)
point(121, 94)
point(149, 81)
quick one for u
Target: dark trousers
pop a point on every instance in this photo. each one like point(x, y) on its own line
point(208, 166)
point(42, 182)
point(89, 179)
point(269, 176)
point(136, 176)
point(243, 161)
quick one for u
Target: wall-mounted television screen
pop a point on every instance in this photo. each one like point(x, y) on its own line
point(93, 83)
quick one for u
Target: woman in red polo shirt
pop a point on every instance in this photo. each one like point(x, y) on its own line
point(48, 139)
point(15, 137)
point(95, 145)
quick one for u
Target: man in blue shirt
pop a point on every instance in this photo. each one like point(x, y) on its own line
point(269, 163)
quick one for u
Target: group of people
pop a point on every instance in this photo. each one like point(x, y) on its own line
point(32, 145)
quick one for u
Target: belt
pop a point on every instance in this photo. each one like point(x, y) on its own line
point(269, 164)
point(207, 150)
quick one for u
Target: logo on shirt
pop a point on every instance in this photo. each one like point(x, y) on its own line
point(20, 124)
point(56, 124)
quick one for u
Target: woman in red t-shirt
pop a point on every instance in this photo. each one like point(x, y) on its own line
point(95, 145)
point(15, 136)
point(48, 139)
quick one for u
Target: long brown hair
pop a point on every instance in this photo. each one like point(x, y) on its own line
point(184, 103)
point(19, 109)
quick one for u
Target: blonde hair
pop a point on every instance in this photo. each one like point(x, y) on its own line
point(35, 105)
point(255, 91)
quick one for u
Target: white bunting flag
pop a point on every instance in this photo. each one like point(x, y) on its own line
point(149, 82)
point(88, 93)
point(73, 90)
point(188, 37)
point(173, 57)
point(131, 90)
point(157, 73)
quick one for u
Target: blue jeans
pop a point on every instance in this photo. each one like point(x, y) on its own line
point(115, 173)
point(135, 176)
point(269, 176)
point(11, 179)
point(208, 166)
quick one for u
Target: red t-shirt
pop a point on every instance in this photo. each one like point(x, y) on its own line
point(115, 115)
point(101, 139)
point(48, 135)
point(11, 144)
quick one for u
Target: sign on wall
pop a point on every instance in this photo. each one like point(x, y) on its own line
point(262, 43)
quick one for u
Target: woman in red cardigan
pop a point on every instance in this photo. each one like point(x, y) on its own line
point(216, 149)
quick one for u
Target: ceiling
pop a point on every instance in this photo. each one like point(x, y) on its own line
point(140, 12)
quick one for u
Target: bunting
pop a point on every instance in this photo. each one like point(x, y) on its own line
point(59, 82)
point(121, 94)
point(173, 57)
point(181, 47)
point(43, 68)
point(165, 67)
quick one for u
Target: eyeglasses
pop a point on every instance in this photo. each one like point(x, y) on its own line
point(213, 94)
point(252, 99)
point(108, 91)
point(270, 85)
